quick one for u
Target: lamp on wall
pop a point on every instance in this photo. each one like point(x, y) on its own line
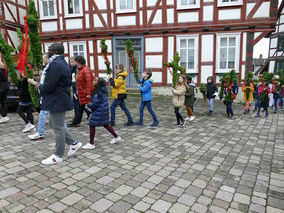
point(227, 28)
point(185, 30)
point(206, 29)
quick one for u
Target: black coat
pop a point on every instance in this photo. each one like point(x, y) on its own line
point(55, 91)
point(23, 91)
point(211, 89)
point(4, 84)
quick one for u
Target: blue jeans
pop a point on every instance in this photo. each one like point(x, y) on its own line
point(276, 103)
point(229, 109)
point(210, 103)
point(256, 103)
point(119, 102)
point(42, 121)
point(150, 110)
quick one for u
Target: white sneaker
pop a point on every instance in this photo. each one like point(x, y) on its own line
point(29, 127)
point(74, 148)
point(115, 140)
point(4, 119)
point(35, 136)
point(53, 159)
point(88, 146)
point(187, 119)
point(191, 118)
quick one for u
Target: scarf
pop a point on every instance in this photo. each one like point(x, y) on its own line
point(42, 78)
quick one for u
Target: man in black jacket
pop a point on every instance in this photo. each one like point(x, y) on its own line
point(4, 88)
point(56, 99)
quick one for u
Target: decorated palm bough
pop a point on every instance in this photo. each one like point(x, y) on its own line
point(132, 60)
point(227, 81)
point(176, 68)
point(104, 49)
point(247, 82)
point(203, 90)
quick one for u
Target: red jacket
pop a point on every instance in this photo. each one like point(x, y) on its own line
point(85, 78)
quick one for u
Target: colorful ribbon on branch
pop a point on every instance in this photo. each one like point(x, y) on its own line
point(132, 59)
point(169, 69)
point(105, 57)
point(25, 49)
point(230, 87)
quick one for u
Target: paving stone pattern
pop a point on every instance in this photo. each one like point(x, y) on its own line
point(213, 164)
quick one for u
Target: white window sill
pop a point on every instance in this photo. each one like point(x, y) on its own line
point(125, 11)
point(188, 7)
point(73, 15)
point(230, 4)
point(48, 17)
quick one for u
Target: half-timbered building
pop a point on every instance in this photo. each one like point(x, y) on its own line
point(276, 46)
point(212, 36)
point(11, 17)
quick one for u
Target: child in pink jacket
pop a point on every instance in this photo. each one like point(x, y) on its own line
point(263, 92)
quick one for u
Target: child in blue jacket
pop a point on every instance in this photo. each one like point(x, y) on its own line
point(145, 92)
point(100, 113)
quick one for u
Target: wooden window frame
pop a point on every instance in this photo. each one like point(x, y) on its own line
point(182, 7)
point(42, 17)
point(67, 15)
point(228, 4)
point(118, 10)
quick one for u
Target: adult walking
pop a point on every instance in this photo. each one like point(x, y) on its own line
point(56, 99)
point(4, 88)
point(85, 88)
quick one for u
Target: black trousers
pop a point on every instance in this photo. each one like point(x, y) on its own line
point(28, 109)
point(78, 115)
point(3, 105)
point(178, 115)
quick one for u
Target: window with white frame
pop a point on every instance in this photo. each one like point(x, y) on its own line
point(47, 9)
point(73, 8)
point(188, 4)
point(222, 3)
point(125, 6)
point(228, 52)
point(78, 49)
point(188, 49)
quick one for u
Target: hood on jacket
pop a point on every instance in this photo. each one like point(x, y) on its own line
point(192, 84)
point(124, 73)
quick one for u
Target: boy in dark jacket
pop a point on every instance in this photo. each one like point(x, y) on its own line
point(100, 113)
point(189, 100)
point(25, 104)
point(4, 88)
point(146, 94)
point(211, 90)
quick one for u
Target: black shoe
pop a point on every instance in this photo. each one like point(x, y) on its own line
point(129, 123)
point(73, 125)
point(88, 115)
point(182, 123)
point(210, 113)
point(275, 112)
point(112, 123)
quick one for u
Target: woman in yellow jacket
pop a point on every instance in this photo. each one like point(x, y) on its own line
point(119, 94)
point(248, 97)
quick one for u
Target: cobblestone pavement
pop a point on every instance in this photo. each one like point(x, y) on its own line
point(213, 164)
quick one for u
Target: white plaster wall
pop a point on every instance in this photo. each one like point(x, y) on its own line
point(151, 2)
point(111, 4)
point(49, 26)
point(126, 20)
point(244, 46)
point(271, 66)
point(97, 21)
point(22, 2)
point(281, 19)
point(281, 28)
point(112, 19)
point(8, 15)
point(188, 17)
point(101, 4)
point(108, 43)
point(22, 12)
point(229, 14)
point(59, 3)
point(170, 2)
point(101, 62)
point(249, 8)
point(73, 24)
point(140, 3)
point(243, 72)
point(170, 16)
point(158, 17)
point(207, 48)
point(154, 44)
point(206, 71)
point(273, 43)
point(256, 34)
point(149, 13)
point(61, 23)
point(208, 13)
point(157, 77)
point(208, 0)
point(86, 5)
point(141, 17)
point(14, 37)
point(87, 21)
point(104, 15)
point(91, 47)
point(92, 64)
point(263, 10)
point(170, 57)
point(271, 53)
point(65, 47)
point(154, 61)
